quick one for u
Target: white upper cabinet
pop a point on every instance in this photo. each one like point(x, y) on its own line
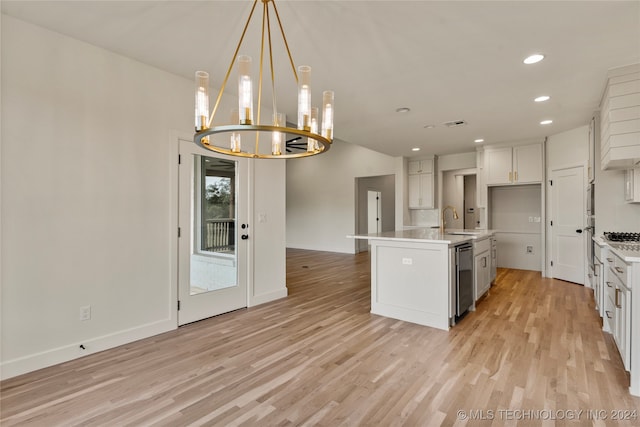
point(632, 186)
point(520, 164)
point(620, 119)
point(420, 166)
point(421, 184)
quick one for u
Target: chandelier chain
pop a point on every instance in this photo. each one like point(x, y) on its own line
point(233, 59)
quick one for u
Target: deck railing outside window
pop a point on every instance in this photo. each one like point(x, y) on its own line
point(219, 235)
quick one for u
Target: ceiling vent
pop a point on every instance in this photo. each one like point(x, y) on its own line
point(455, 123)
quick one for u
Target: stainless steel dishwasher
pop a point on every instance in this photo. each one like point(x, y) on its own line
point(464, 278)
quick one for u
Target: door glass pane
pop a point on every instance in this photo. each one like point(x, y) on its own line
point(214, 255)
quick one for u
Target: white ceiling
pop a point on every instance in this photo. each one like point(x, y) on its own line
point(450, 60)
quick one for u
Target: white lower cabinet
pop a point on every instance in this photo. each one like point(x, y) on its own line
point(619, 295)
point(599, 276)
point(482, 267)
point(623, 323)
point(494, 259)
point(609, 318)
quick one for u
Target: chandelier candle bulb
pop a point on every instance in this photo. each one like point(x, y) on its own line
point(312, 144)
point(278, 138)
point(304, 97)
point(245, 90)
point(202, 100)
point(327, 114)
point(273, 139)
point(236, 146)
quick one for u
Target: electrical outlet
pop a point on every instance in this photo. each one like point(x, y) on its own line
point(85, 312)
point(529, 249)
point(407, 261)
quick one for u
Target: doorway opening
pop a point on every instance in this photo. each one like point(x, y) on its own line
point(459, 190)
point(372, 214)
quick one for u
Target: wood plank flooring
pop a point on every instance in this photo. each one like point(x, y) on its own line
point(532, 353)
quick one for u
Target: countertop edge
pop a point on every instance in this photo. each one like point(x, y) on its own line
point(450, 239)
point(601, 242)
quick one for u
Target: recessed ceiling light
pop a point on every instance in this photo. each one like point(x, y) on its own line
point(415, 149)
point(403, 110)
point(533, 59)
point(429, 126)
point(479, 140)
point(542, 98)
point(546, 122)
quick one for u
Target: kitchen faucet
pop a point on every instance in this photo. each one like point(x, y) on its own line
point(455, 216)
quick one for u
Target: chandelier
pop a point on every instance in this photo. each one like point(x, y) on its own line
point(241, 135)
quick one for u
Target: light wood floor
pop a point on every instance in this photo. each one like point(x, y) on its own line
point(319, 357)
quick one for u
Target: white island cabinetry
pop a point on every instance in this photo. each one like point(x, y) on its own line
point(413, 274)
point(408, 282)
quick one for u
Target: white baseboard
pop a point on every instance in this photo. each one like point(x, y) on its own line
point(268, 297)
point(22, 365)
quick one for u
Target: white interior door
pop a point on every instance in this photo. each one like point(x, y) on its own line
point(374, 212)
point(212, 249)
point(568, 216)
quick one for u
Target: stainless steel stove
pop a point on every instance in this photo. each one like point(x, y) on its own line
point(622, 237)
point(626, 244)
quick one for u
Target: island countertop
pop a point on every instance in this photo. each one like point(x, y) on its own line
point(450, 237)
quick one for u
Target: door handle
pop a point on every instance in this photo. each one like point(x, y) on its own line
point(244, 236)
point(579, 231)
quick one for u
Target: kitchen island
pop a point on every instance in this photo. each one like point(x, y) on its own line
point(413, 273)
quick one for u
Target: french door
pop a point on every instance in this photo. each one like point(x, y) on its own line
point(213, 236)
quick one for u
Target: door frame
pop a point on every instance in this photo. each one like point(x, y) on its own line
point(174, 208)
point(549, 214)
point(378, 204)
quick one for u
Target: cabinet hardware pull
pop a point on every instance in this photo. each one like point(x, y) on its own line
point(607, 312)
point(619, 270)
point(610, 259)
point(617, 300)
point(509, 176)
point(515, 176)
point(609, 284)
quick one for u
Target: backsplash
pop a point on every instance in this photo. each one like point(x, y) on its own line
point(425, 217)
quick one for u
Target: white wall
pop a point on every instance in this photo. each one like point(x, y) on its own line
point(511, 206)
point(88, 199)
point(268, 237)
point(611, 211)
point(321, 195)
point(457, 161)
point(568, 149)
